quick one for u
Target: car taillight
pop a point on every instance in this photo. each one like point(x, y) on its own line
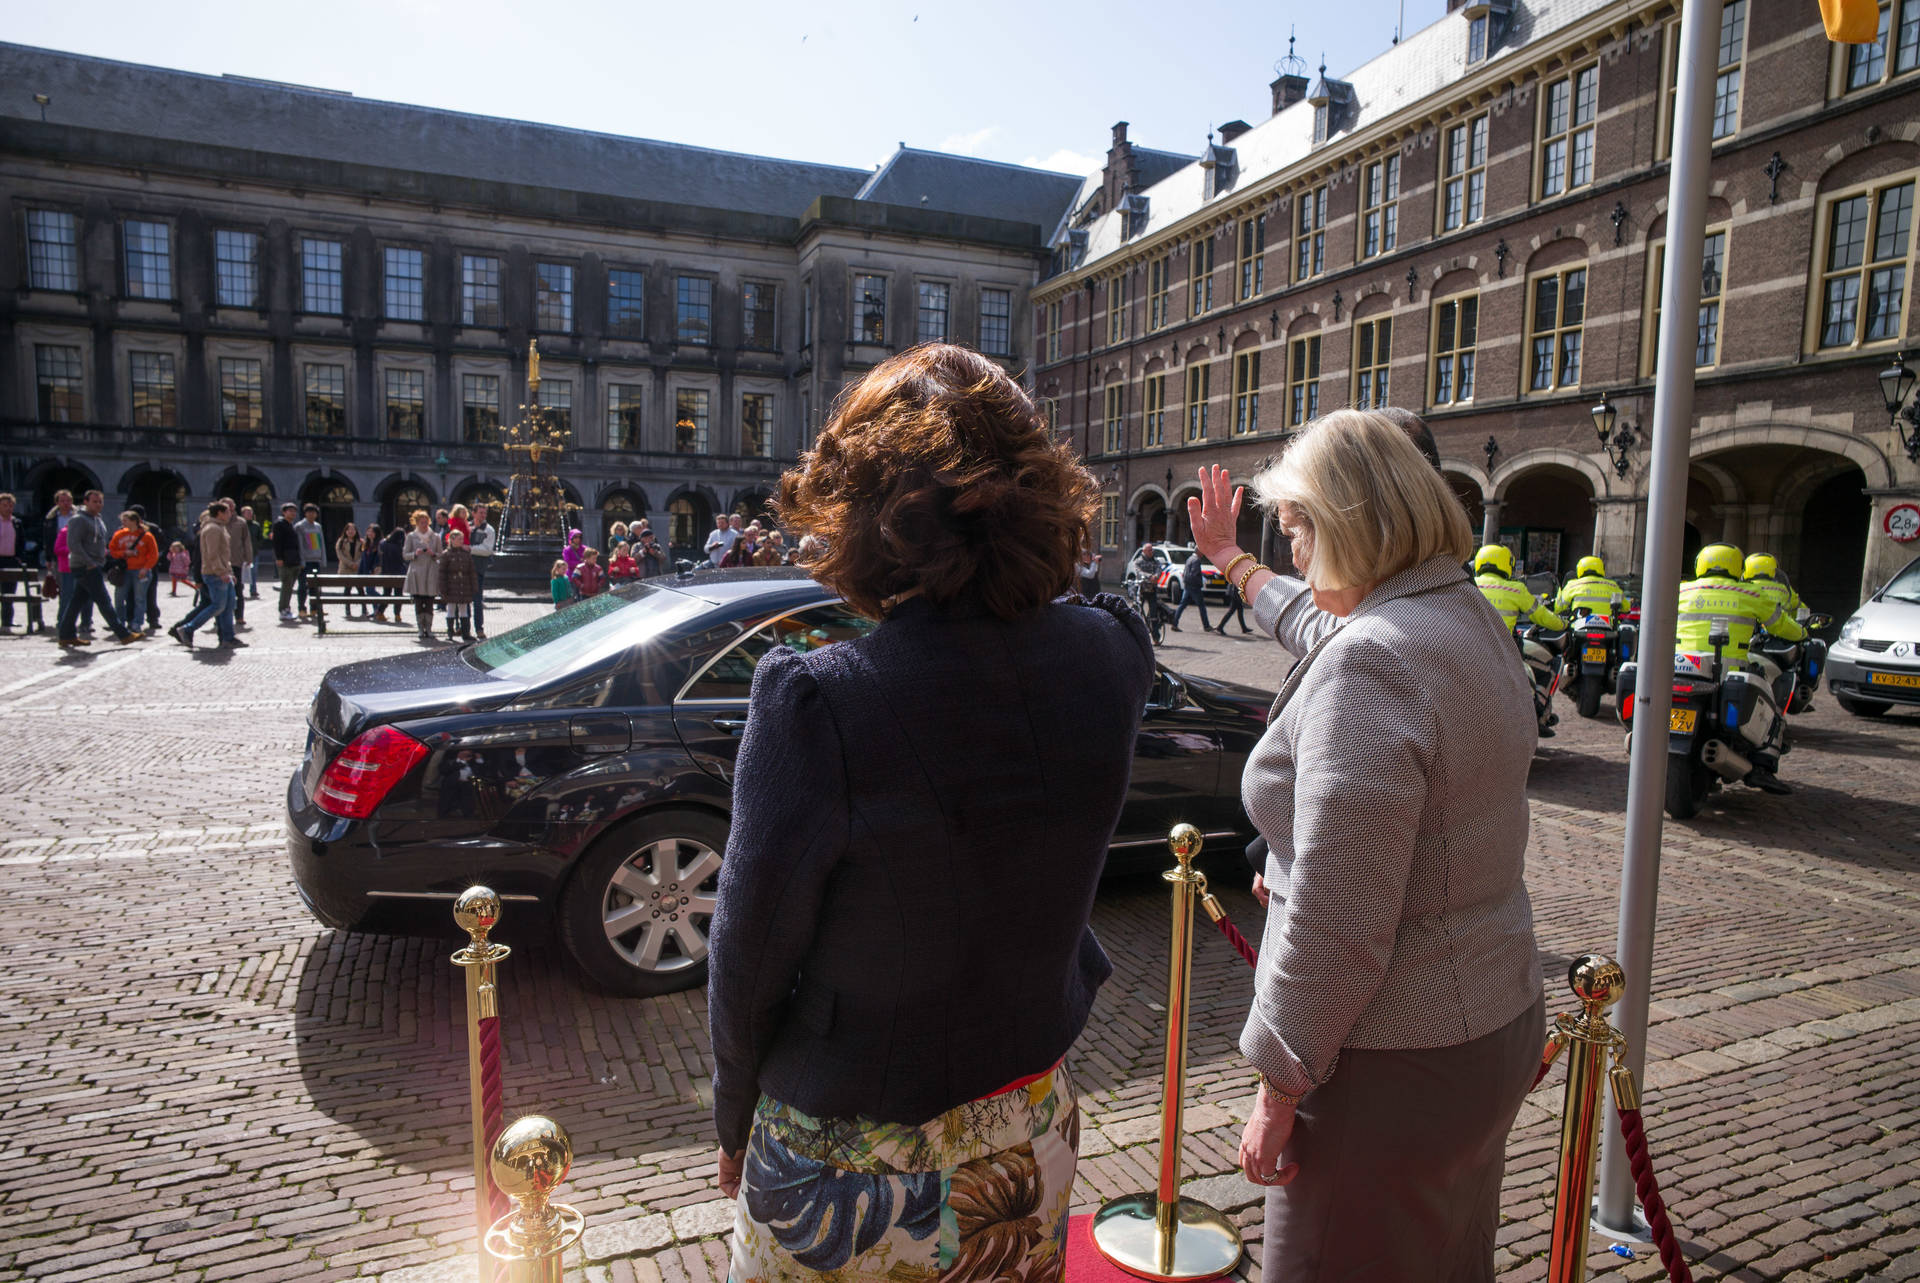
point(1679, 689)
point(358, 780)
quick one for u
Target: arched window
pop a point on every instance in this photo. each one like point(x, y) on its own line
point(401, 503)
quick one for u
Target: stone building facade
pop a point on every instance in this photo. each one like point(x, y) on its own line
point(218, 286)
point(1471, 226)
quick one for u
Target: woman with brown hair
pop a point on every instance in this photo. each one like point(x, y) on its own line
point(895, 978)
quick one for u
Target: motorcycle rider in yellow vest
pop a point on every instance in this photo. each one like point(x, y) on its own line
point(1493, 574)
point(1762, 574)
point(1590, 588)
point(1715, 595)
point(1513, 601)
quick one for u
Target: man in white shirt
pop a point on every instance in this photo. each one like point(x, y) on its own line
point(720, 540)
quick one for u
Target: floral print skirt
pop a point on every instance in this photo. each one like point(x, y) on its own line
point(979, 1193)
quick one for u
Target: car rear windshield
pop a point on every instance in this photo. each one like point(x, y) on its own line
point(584, 631)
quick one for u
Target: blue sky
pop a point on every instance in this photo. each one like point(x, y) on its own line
point(842, 82)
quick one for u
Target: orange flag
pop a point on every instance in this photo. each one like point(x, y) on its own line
point(1851, 22)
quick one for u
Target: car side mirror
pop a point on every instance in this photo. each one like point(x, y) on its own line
point(1168, 691)
point(1818, 621)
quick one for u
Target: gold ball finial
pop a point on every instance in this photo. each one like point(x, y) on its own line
point(1596, 980)
point(1185, 843)
point(477, 912)
point(531, 1158)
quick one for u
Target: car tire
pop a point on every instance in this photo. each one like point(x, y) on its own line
point(635, 925)
point(1861, 707)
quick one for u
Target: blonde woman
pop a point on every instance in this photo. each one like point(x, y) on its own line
point(421, 552)
point(1398, 1014)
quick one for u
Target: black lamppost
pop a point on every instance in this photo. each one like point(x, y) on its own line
point(1896, 385)
point(1617, 441)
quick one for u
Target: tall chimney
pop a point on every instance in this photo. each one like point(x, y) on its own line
point(1116, 177)
point(1288, 90)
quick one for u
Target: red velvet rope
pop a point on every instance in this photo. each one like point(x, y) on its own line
point(1238, 941)
point(1631, 1130)
point(491, 1111)
point(1635, 1135)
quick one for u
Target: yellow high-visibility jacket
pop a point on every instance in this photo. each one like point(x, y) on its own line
point(1781, 594)
point(1743, 608)
point(1599, 594)
point(1514, 599)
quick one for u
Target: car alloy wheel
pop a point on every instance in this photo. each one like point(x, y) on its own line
point(658, 904)
point(636, 911)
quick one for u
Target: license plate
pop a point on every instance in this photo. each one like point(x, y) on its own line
point(1681, 723)
point(1595, 654)
point(1894, 679)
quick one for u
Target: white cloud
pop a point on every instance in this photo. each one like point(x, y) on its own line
point(968, 144)
point(1066, 161)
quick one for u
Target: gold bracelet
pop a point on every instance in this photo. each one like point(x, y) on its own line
point(1281, 1097)
point(1246, 579)
point(1228, 572)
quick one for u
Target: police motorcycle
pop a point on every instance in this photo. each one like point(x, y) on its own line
point(1791, 669)
point(1544, 653)
point(1726, 725)
point(1598, 647)
point(1144, 596)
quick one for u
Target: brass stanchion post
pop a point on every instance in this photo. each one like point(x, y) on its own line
point(529, 1160)
point(1160, 1235)
point(1597, 981)
point(477, 911)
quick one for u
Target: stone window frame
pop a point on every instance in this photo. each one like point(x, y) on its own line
point(342, 369)
point(1250, 257)
point(771, 341)
point(388, 254)
point(471, 316)
point(1159, 292)
point(1114, 417)
point(700, 439)
point(1373, 376)
point(640, 384)
point(1053, 330)
point(167, 406)
point(1199, 390)
point(1820, 273)
point(166, 287)
point(1303, 378)
point(1733, 66)
point(1246, 391)
point(415, 374)
point(313, 276)
point(1570, 135)
point(1003, 348)
point(1650, 311)
point(863, 307)
point(921, 286)
point(771, 421)
point(1560, 329)
point(231, 367)
point(1466, 175)
point(1200, 266)
point(227, 269)
point(48, 403)
point(1153, 401)
point(72, 263)
point(1379, 207)
point(1309, 254)
point(1116, 309)
point(1435, 353)
point(553, 296)
point(693, 316)
point(617, 326)
point(1110, 519)
point(1842, 58)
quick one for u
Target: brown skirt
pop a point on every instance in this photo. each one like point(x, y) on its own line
point(1401, 1155)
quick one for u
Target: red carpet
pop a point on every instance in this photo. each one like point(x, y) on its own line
point(1084, 1262)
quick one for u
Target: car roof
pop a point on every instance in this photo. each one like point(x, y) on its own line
point(746, 584)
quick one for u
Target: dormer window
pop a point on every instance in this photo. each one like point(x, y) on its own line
point(1333, 106)
point(1133, 215)
point(1220, 169)
point(1487, 23)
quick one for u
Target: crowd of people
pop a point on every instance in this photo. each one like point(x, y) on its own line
point(635, 553)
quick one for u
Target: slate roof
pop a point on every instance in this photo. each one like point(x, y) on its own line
point(253, 115)
point(969, 185)
point(1422, 65)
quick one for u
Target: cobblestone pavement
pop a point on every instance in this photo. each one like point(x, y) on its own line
point(198, 1082)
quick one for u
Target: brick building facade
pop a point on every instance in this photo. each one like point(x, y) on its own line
point(1471, 227)
point(221, 286)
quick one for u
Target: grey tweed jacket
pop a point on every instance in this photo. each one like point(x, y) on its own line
point(1391, 789)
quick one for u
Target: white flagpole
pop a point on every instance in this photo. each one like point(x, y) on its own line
point(1666, 510)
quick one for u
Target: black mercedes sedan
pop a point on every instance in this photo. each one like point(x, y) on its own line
point(580, 765)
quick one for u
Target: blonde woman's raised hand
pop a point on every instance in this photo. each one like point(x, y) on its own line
point(1215, 514)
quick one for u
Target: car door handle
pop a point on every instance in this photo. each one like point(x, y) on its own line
point(731, 725)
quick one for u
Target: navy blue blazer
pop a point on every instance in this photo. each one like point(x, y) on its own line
point(920, 818)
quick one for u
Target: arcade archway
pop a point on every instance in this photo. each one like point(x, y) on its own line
point(1547, 518)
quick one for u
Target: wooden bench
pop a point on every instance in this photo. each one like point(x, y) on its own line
point(22, 584)
point(354, 590)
